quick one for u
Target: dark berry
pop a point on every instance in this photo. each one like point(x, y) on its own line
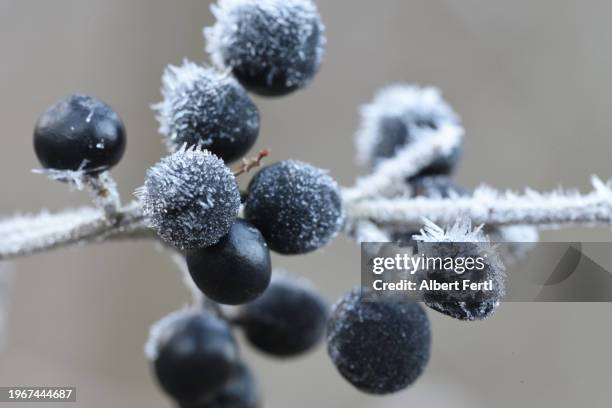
point(236, 269)
point(460, 241)
point(287, 320)
point(190, 198)
point(206, 108)
point(401, 115)
point(380, 347)
point(196, 357)
point(296, 206)
point(273, 47)
point(241, 391)
point(79, 133)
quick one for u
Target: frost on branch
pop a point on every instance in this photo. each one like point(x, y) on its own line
point(398, 116)
point(491, 207)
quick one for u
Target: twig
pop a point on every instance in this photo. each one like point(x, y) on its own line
point(249, 163)
point(390, 175)
point(491, 207)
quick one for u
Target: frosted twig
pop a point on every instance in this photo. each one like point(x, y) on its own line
point(390, 175)
point(488, 206)
point(103, 189)
point(249, 163)
point(29, 234)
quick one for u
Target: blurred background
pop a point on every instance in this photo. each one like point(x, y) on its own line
point(531, 80)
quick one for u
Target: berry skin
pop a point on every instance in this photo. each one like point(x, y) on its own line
point(241, 391)
point(273, 47)
point(79, 133)
point(236, 269)
point(203, 107)
point(296, 206)
point(190, 198)
point(196, 357)
point(287, 320)
point(403, 114)
point(380, 347)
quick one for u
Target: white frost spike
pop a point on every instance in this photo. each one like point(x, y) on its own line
point(460, 231)
point(75, 178)
point(409, 103)
point(491, 207)
point(389, 176)
point(159, 329)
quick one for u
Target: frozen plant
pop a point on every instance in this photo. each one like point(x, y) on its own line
point(221, 238)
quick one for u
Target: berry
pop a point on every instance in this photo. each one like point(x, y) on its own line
point(79, 133)
point(206, 108)
point(296, 206)
point(195, 358)
point(400, 115)
point(461, 242)
point(380, 347)
point(273, 47)
point(190, 198)
point(287, 320)
point(236, 269)
point(240, 392)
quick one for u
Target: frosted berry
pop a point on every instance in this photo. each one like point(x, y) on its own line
point(203, 107)
point(79, 133)
point(380, 347)
point(236, 269)
point(288, 319)
point(241, 391)
point(403, 114)
point(273, 47)
point(196, 357)
point(296, 206)
point(460, 241)
point(190, 198)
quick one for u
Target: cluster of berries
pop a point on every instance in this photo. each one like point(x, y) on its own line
point(192, 201)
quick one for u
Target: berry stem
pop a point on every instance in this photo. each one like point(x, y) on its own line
point(487, 206)
point(105, 195)
point(251, 162)
point(390, 175)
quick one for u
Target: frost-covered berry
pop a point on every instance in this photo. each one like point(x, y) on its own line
point(79, 133)
point(236, 269)
point(203, 107)
point(241, 391)
point(401, 115)
point(195, 356)
point(190, 198)
point(288, 319)
point(461, 242)
point(296, 206)
point(273, 47)
point(380, 347)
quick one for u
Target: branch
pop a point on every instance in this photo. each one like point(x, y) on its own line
point(29, 234)
point(391, 174)
point(491, 207)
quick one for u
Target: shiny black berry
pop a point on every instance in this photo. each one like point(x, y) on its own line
point(79, 132)
point(288, 319)
point(236, 269)
point(296, 206)
point(196, 357)
point(378, 346)
point(207, 108)
point(273, 47)
point(241, 391)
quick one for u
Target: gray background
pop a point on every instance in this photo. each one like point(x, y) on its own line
point(530, 78)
